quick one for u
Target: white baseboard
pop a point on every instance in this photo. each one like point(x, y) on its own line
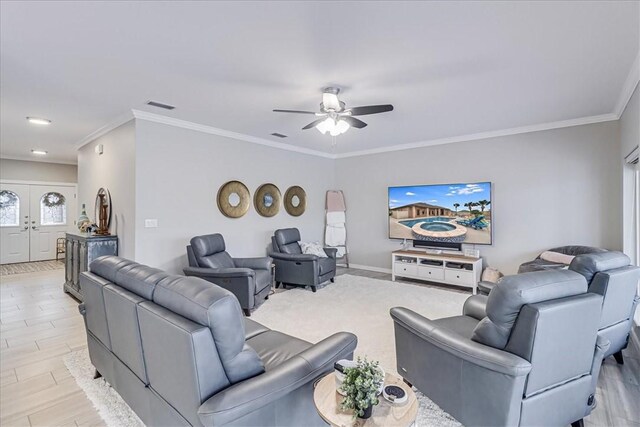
point(370, 268)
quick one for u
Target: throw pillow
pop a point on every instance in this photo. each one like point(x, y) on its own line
point(491, 274)
point(556, 257)
point(313, 248)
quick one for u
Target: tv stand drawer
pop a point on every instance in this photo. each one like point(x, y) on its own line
point(459, 276)
point(405, 268)
point(431, 273)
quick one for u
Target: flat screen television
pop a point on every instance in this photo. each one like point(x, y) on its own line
point(443, 213)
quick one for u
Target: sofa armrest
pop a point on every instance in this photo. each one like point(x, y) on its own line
point(221, 273)
point(476, 306)
point(331, 252)
point(460, 347)
point(262, 263)
point(293, 257)
point(254, 393)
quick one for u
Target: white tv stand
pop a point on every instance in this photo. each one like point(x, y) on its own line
point(458, 270)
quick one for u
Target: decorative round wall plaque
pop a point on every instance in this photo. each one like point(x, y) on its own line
point(295, 201)
point(267, 200)
point(233, 199)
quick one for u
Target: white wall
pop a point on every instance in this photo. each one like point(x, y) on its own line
point(178, 174)
point(550, 188)
point(115, 171)
point(22, 170)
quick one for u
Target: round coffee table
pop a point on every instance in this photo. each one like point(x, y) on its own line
point(328, 400)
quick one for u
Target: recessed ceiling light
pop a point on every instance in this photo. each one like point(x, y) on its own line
point(38, 121)
point(39, 152)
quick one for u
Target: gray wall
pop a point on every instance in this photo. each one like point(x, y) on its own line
point(22, 170)
point(550, 188)
point(178, 174)
point(114, 170)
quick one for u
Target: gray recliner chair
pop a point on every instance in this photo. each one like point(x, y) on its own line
point(529, 354)
point(611, 275)
point(539, 264)
point(249, 279)
point(179, 351)
point(298, 269)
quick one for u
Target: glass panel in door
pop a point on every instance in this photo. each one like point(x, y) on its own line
point(52, 213)
point(14, 223)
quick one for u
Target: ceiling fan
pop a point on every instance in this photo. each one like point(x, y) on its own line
point(334, 117)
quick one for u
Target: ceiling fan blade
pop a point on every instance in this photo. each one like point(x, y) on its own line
point(353, 122)
point(294, 111)
point(371, 109)
point(314, 123)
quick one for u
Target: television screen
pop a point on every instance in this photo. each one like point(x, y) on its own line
point(456, 213)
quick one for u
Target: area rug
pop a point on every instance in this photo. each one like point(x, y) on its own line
point(30, 267)
point(356, 304)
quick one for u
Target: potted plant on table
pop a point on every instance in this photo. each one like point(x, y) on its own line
point(361, 387)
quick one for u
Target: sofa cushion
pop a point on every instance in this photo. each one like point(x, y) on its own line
point(209, 251)
point(326, 265)
point(287, 240)
point(590, 264)
point(513, 292)
point(215, 307)
point(263, 280)
point(107, 266)
point(461, 325)
point(274, 347)
point(253, 328)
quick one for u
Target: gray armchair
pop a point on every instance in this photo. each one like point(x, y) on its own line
point(611, 275)
point(540, 264)
point(249, 279)
point(528, 354)
point(298, 269)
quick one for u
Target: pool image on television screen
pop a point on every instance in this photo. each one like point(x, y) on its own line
point(456, 213)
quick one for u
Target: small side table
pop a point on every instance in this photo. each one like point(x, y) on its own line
point(328, 400)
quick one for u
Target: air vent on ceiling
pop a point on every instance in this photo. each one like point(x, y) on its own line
point(160, 105)
point(279, 135)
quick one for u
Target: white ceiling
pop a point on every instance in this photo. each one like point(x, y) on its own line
point(449, 68)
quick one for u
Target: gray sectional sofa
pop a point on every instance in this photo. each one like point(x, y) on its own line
point(180, 352)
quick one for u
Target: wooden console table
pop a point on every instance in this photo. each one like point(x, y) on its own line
point(81, 250)
point(458, 270)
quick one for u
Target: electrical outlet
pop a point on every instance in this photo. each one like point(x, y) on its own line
point(150, 223)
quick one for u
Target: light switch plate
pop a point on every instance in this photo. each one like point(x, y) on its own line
point(150, 223)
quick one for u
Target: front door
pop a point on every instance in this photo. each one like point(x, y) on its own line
point(52, 213)
point(14, 223)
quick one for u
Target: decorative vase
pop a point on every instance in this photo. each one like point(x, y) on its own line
point(367, 412)
point(83, 219)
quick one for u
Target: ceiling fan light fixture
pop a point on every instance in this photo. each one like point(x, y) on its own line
point(326, 125)
point(334, 127)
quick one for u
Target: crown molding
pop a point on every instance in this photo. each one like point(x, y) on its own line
point(484, 135)
point(119, 121)
point(629, 87)
point(158, 118)
point(39, 160)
